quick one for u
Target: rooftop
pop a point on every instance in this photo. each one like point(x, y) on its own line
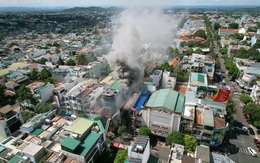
point(32, 149)
point(18, 65)
point(167, 98)
point(208, 118)
point(6, 109)
point(116, 85)
point(70, 143)
point(198, 79)
point(80, 125)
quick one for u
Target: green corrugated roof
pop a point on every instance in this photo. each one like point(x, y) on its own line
point(166, 98)
point(2, 148)
point(16, 159)
point(89, 142)
point(116, 85)
point(40, 88)
point(197, 77)
point(37, 131)
point(208, 118)
point(180, 104)
point(70, 143)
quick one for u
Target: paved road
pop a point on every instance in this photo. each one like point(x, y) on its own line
point(238, 139)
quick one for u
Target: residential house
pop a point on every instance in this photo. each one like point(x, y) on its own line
point(10, 120)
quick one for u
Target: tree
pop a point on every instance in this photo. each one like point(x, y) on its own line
point(33, 74)
point(70, 62)
point(2, 95)
point(223, 50)
point(175, 137)
point(27, 115)
point(200, 33)
point(44, 74)
point(189, 51)
point(198, 51)
point(233, 25)
point(121, 129)
point(81, 59)
point(216, 26)
point(145, 131)
point(24, 93)
point(121, 156)
point(175, 52)
point(49, 80)
point(190, 143)
point(60, 61)
point(42, 61)
point(245, 98)
point(40, 108)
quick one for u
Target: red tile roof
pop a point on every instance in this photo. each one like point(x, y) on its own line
point(219, 123)
point(228, 30)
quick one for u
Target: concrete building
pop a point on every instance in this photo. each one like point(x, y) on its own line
point(10, 120)
point(205, 109)
point(226, 31)
point(168, 81)
point(44, 93)
point(162, 112)
point(83, 140)
point(176, 153)
point(33, 151)
point(82, 96)
point(113, 99)
point(93, 70)
point(36, 121)
point(157, 77)
point(139, 151)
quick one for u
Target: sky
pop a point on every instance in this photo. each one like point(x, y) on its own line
point(123, 3)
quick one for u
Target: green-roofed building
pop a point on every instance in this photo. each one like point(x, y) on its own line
point(69, 144)
point(17, 159)
point(162, 112)
point(89, 146)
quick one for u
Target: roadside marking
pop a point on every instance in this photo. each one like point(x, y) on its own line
point(237, 141)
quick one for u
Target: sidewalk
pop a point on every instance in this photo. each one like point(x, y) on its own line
point(257, 136)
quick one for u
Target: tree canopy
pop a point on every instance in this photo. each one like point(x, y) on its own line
point(44, 74)
point(216, 26)
point(60, 61)
point(24, 93)
point(245, 98)
point(33, 75)
point(190, 143)
point(200, 33)
point(70, 62)
point(40, 108)
point(42, 61)
point(121, 129)
point(233, 25)
point(121, 156)
point(253, 110)
point(175, 137)
point(145, 131)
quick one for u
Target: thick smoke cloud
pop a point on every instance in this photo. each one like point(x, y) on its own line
point(133, 30)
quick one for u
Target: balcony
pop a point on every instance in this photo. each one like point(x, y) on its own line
point(209, 132)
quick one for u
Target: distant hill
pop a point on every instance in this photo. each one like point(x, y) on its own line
point(29, 9)
point(77, 9)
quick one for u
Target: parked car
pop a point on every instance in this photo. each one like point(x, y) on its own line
point(252, 151)
point(251, 131)
point(244, 128)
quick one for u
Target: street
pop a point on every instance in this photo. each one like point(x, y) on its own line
point(237, 140)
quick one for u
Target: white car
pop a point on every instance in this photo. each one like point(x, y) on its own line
point(252, 151)
point(244, 128)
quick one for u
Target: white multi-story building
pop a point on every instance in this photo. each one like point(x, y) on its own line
point(10, 120)
point(139, 151)
point(82, 96)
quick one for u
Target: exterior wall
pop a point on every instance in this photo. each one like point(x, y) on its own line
point(161, 121)
point(5, 132)
point(46, 93)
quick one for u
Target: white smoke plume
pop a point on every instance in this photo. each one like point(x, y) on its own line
point(133, 29)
